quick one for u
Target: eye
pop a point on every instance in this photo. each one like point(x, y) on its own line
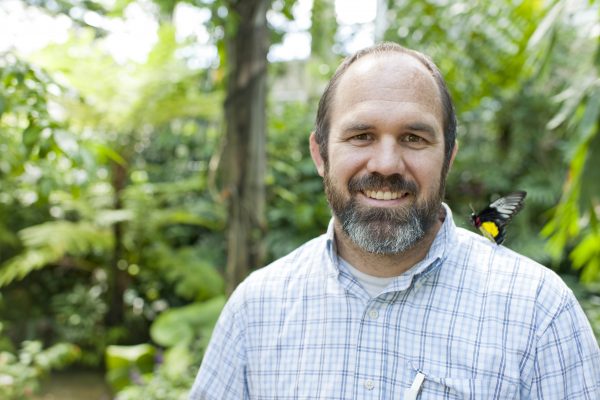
point(414, 141)
point(361, 138)
point(411, 138)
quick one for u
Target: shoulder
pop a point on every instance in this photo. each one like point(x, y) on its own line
point(307, 260)
point(507, 275)
point(306, 265)
point(482, 256)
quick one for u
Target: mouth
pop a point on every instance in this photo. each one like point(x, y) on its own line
point(385, 195)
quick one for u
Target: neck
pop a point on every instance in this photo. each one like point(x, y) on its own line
point(384, 265)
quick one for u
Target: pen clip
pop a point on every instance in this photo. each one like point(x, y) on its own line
point(412, 392)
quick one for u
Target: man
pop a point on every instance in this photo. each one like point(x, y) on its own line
point(395, 301)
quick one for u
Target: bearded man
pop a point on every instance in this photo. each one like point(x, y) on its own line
point(395, 301)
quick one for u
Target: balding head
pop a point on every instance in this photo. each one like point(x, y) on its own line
point(323, 122)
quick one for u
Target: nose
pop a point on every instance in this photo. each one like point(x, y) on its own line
point(386, 159)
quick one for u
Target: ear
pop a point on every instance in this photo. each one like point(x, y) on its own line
point(316, 155)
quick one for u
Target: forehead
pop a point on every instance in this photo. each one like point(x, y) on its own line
point(386, 79)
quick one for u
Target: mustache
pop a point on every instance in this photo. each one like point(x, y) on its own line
point(376, 181)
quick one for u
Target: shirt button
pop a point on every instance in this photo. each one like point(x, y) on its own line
point(373, 314)
point(369, 384)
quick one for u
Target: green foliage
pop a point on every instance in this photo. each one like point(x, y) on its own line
point(30, 147)
point(134, 96)
point(79, 319)
point(590, 302)
point(192, 273)
point(589, 299)
point(180, 326)
point(134, 371)
point(586, 256)
point(51, 241)
point(156, 122)
point(185, 332)
point(127, 364)
point(574, 226)
point(161, 386)
point(298, 209)
point(150, 97)
point(24, 118)
point(20, 374)
point(323, 29)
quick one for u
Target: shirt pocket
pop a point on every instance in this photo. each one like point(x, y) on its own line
point(450, 388)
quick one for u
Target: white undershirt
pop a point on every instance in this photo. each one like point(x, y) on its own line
point(372, 284)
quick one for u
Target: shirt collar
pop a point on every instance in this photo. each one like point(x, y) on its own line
point(438, 252)
point(333, 266)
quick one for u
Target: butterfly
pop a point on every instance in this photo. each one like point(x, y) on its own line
point(493, 219)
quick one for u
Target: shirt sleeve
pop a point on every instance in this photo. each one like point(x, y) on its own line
point(567, 359)
point(222, 373)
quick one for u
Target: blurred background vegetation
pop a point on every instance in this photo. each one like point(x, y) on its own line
point(142, 177)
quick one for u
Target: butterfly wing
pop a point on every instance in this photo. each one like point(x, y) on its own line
point(492, 220)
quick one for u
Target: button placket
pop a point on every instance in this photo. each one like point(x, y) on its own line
point(370, 356)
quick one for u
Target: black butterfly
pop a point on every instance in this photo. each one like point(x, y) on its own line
point(492, 221)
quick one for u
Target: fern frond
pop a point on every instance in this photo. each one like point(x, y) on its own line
point(23, 264)
point(49, 242)
point(64, 237)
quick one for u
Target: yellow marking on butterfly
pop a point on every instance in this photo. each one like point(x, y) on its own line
point(489, 230)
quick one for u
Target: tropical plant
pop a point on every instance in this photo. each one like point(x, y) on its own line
point(183, 334)
point(20, 374)
point(574, 226)
point(297, 210)
point(139, 224)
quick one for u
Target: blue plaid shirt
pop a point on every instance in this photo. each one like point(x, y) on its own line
point(476, 319)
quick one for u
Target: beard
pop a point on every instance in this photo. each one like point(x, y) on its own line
point(384, 230)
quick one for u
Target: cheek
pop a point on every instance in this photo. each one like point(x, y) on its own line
point(343, 167)
point(427, 170)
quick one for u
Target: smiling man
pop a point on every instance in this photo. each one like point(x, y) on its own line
point(395, 301)
point(383, 159)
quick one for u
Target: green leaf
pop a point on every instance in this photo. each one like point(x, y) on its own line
point(123, 361)
point(586, 256)
point(122, 356)
point(546, 25)
point(590, 173)
point(179, 325)
point(106, 152)
point(177, 360)
point(31, 136)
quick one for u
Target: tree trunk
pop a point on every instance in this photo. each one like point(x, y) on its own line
point(244, 162)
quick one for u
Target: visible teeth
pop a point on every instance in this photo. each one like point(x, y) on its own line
point(380, 195)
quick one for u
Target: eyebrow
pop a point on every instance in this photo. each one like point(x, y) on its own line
point(421, 127)
point(359, 127)
point(415, 126)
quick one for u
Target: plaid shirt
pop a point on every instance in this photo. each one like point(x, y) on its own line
point(476, 319)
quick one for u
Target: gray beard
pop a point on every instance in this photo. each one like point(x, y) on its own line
point(381, 230)
point(384, 232)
